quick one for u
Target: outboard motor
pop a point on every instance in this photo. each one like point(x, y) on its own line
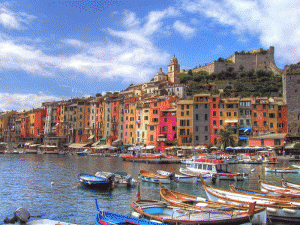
point(172, 176)
point(128, 180)
point(20, 215)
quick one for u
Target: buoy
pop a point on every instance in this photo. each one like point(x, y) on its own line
point(252, 169)
point(136, 214)
point(52, 183)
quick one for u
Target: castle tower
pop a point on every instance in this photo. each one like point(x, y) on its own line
point(174, 71)
point(291, 96)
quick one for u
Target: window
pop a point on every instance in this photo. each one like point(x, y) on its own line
point(221, 113)
point(145, 117)
point(197, 138)
point(255, 115)
point(241, 122)
point(165, 120)
point(182, 113)
point(214, 122)
point(152, 128)
point(197, 117)
point(271, 125)
point(187, 107)
point(221, 122)
point(241, 112)
point(276, 142)
point(188, 123)
point(206, 128)
point(155, 104)
point(265, 123)
point(228, 113)
point(182, 107)
point(264, 106)
point(196, 106)
point(182, 123)
point(279, 125)
point(206, 138)
point(187, 113)
point(205, 117)
point(279, 107)
point(214, 113)
point(214, 106)
point(255, 123)
point(151, 138)
point(271, 115)
point(216, 131)
point(182, 131)
point(265, 114)
point(235, 113)
point(165, 128)
point(248, 122)
point(205, 106)
point(155, 111)
point(279, 115)
point(155, 120)
point(254, 106)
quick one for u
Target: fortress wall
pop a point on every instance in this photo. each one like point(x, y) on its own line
point(247, 60)
point(219, 66)
point(210, 68)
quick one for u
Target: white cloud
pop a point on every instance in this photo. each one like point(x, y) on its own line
point(21, 102)
point(133, 58)
point(185, 30)
point(14, 20)
point(276, 23)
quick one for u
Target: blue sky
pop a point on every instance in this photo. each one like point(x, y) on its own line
point(51, 50)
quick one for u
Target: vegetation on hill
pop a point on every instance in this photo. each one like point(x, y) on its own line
point(233, 83)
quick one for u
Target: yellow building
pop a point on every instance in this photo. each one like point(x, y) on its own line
point(185, 122)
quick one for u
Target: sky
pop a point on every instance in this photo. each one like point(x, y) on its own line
point(62, 49)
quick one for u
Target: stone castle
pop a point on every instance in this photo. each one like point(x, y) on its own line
point(258, 59)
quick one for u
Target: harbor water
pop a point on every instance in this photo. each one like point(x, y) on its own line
point(47, 185)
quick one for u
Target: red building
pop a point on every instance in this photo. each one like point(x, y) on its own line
point(214, 102)
point(39, 122)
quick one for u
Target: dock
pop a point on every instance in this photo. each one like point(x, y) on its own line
point(155, 161)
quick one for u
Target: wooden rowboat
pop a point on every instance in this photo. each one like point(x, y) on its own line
point(284, 191)
point(289, 184)
point(154, 177)
point(189, 201)
point(255, 192)
point(161, 211)
point(286, 209)
point(282, 170)
point(109, 218)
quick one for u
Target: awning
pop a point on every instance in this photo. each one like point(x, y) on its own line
point(150, 147)
point(242, 138)
point(78, 145)
point(34, 145)
point(117, 142)
point(231, 121)
point(290, 146)
point(245, 128)
point(103, 139)
point(91, 137)
point(95, 144)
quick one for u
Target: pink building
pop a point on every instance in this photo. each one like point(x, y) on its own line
point(168, 128)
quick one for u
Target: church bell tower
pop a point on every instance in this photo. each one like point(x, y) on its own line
point(174, 71)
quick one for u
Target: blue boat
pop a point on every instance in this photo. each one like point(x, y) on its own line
point(108, 218)
point(96, 181)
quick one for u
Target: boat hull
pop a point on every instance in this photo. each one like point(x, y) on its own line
point(278, 170)
point(273, 211)
point(94, 181)
point(155, 180)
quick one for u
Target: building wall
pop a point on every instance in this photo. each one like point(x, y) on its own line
point(201, 120)
point(185, 123)
point(214, 126)
point(291, 94)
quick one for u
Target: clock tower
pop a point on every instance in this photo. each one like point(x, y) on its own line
point(174, 71)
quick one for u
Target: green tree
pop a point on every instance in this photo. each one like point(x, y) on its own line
point(190, 72)
point(184, 78)
point(226, 138)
